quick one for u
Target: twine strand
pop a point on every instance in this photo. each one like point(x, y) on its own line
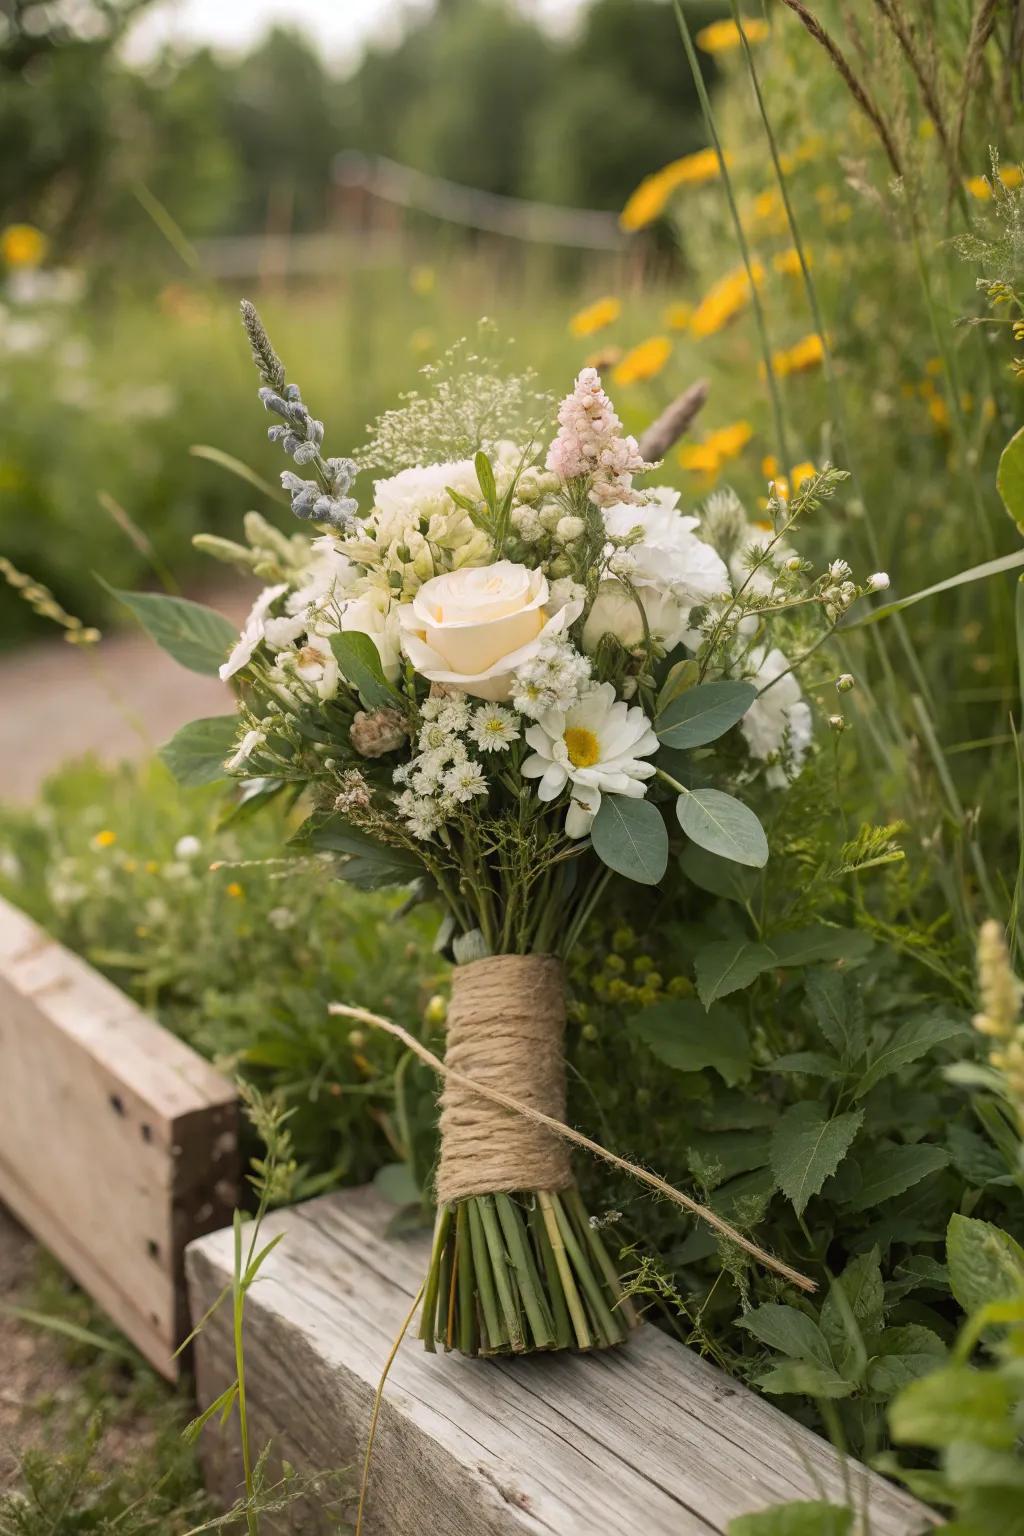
point(720, 1225)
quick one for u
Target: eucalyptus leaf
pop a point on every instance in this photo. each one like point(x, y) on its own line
point(723, 825)
point(631, 838)
point(360, 664)
point(196, 754)
point(198, 638)
point(700, 715)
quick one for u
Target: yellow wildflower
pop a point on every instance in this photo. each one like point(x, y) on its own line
point(603, 359)
point(422, 340)
point(981, 188)
point(422, 280)
point(807, 353)
point(677, 316)
point(938, 410)
point(643, 361)
point(595, 316)
point(235, 890)
point(769, 466)
point(22, 245)
point(104, 839)
point(725, 300)
point(725, 443)
point(723, 36)
point(788, 262)
point(766, 206)
point(152, 867)
point(649, 199)
point(800, 473)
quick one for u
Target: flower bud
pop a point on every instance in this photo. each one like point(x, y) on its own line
point(845, 682)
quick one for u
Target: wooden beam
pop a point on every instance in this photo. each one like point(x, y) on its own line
point(648, 1437)
point(118, 1142)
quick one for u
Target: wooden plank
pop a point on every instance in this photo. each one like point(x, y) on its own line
point(118, 1142)
point(648, 1437)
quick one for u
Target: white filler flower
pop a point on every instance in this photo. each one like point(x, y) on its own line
point(595, 746)
point(778, 725)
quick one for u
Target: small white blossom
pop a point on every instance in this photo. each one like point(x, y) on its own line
point(246, 747)
point(494, 728)
point(455, 714)
point(464, 781)
point(878, 582)
point(550, 680)
point(527, 524)
point(839, 571)
point(569, 529)
point(187, 847)
point(281, 918)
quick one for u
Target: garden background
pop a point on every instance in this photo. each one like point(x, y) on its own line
point(850, 288)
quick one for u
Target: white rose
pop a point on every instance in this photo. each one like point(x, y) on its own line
point(778, 725)
point(615, 612)
point(669, 554)
point(472, 628)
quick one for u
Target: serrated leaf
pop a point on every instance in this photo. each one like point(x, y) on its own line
point(974, 1157)
point(683, 1035)
point(699, 715)
point(807, 1146)
point(837, 1012)
point(904, 1355)
point(805, 1379)
point(1010, 478)
point(910, 1042)
point(862, 1301)
point(891, 1170)
point(811, 1517)
point(789, 1331)
point(818, 942)
point(723, 825)
point(722, 877)
point(196, 754)
point(812, 1063)
point(954, 1403)
point(631, 838)
point(360, 664)
point(728, 965)
point(985, 1263)
point(198, 638)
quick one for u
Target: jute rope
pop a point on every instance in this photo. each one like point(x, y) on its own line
point(506, 1030)
point(557, 1127)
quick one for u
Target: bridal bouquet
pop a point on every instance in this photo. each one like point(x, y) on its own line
point(509, 676)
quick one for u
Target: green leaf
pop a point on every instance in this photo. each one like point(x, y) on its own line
point(819, 941)
point(974, 1157)
point(237, 467)
point(805, 1379)
point(359, 663)
point(721, 877)
point(631, 838)
point(367, 863)
point(808, 1145)
point(681, 676)
point(222, 1405)
point(69, 1330)
point(806, 1518)
point(700, 715)
point(196, 754)
point(1010, 478)
point(952, 1404)
point(911, 1041)
point(718, 1156)
point(485, 479)
point(985, 1263)
point(728, 965)
point(812, 1063)
point(684, 1036)
point(789, 1331)
point(396, 1183)
point(198, 638)
point(857, 1296)
point(891, 1170)
point(723, 825)
point(974, 1466)
point(904, 1355)
point(837, 1012)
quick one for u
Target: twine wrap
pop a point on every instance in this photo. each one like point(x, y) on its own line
point(506, 1029)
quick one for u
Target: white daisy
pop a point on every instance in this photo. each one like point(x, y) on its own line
point(464, 781)
point(493, 728)
point(595, 747)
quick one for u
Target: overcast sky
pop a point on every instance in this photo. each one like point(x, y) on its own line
point(341, 28)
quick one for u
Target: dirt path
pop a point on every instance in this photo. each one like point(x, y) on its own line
point(121, 700)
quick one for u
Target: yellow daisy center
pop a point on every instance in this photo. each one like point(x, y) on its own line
point(583, 747)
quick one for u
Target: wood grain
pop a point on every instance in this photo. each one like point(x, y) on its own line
point(647, 1438)
point(118, 1143)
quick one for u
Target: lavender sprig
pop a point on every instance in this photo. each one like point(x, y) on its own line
point(323, 500)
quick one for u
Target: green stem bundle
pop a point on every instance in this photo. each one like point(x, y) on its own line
point(511, 1274)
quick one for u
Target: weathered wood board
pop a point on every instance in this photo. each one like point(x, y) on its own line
point(118, 1143)
point(647, 1438)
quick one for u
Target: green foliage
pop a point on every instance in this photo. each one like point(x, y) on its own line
point(813, 1518)
point(630, 837)
point(196, 753)
point(723, 825)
